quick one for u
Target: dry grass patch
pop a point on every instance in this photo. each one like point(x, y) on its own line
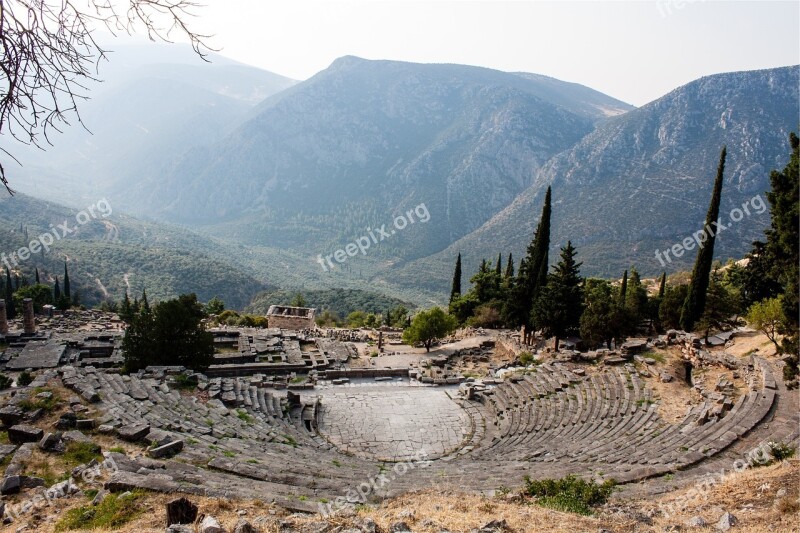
point(751, 496)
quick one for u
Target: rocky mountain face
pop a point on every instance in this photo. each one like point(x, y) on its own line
point(364, 141)
point(642, 181)
point(276, 172)
point(153, 104)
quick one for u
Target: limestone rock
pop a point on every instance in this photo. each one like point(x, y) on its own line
point(696, 521)
point(243, 526)
point(179, 528)
point(166, 450)
point(23, 433)
point(133, 433)
point(67, 421)
point(51, 442)
point(210, 525)
point(10, 485)
point(726, 521)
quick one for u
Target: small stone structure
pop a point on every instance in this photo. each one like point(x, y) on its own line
point(286, 317)
point(3, 318)
point(28, 320)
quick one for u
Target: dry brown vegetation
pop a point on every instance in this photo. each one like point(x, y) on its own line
point(752, 496)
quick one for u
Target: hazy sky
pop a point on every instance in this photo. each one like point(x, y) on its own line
point(635, 51)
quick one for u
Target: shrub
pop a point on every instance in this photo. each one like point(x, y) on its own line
point(570, 493)
point(526, 358)
point(183, 382)
point(79, 453)
point(112, 513)
point(45, 404)
point(781, 451)
point(5, 381)
point(24, 379)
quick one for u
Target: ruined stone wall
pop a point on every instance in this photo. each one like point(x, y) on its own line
point(290, 322)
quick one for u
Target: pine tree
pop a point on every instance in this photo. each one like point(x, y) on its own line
point(11, 311)
point(696, 299)
point(782, 243)
point(145, 304)
point(67, 293)
point(455, 291)
point(558, 308)
point(772, 270)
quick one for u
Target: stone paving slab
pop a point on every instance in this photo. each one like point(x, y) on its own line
point(393, 423)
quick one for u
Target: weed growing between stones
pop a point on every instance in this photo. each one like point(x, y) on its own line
point(113, 512)
point(570, 493)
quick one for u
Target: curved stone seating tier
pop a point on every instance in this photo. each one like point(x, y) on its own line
point(608, 420)
point(546, 423)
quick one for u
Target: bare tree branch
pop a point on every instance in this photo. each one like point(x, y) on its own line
point(49, 56)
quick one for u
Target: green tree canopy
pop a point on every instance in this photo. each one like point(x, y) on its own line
point(766, 316)
point(428, 326)
point(215, 306)
point(695, 302)
point(39, 293)
point(720, 306)
point(669, 312)
point(597, 324)
point(171, 333)
point(558, 308)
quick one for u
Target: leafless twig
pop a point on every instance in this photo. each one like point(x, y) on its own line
point(49, 56)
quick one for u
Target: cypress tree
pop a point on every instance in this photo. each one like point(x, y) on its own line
point(695, 302)
point(541, 258)
point(56, 292)
point(455, 291)
point(532, 274)
point(11, 311)
point(623, 291)
point(126, 310)
point(67, 293)
point(145, 304)
point(37, 276)
point(510, 267)
point(663, 286)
